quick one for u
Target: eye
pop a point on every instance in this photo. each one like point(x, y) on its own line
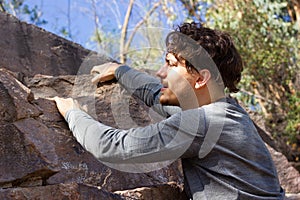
point(169, 63)
point(172, 64)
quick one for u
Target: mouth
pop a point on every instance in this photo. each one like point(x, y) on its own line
point(164, 85)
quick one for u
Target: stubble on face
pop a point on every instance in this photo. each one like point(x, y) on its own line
point(167, 95)
point(168, 98)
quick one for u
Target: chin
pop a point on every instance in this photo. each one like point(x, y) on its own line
point(168, 102)
point(163, 101)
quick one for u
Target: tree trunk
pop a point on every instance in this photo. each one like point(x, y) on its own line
point(124, 32)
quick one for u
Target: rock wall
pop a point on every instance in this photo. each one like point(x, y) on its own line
point(29, 50)
point(37, 148)
point(39, 158)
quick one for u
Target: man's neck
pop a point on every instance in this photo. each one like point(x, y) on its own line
point(205, 96)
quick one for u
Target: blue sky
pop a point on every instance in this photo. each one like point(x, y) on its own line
point(111, 15)
point(55, 12)
point(82, 24)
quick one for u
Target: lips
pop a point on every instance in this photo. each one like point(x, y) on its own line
point(164, 85)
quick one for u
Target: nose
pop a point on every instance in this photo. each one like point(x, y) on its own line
point(163, 71)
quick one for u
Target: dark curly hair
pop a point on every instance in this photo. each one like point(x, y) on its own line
point(203, 47)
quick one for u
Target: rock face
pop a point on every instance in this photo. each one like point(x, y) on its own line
point(15, 146)
point(288, 175)
point(38, 149)
point(70, 191)
point(39, 157)
point(29, 50)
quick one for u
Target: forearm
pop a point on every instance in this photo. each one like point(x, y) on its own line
point(142, 85)
point(145, 87)
point(100, 140)
point(158, 142)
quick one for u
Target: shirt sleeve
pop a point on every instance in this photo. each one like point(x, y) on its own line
point(145, 87)
point(166, 140)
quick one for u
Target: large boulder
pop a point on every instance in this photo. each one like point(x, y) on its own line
point(37, 148)
point(69, 191)
point(30, 50)
point(21, 160)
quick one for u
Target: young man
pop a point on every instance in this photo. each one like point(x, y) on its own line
point(223, 157)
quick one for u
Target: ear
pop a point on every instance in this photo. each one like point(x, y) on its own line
point(203, 78)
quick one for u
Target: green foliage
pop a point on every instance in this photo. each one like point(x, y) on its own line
point(147, 50)
point(24, 12)
point(107, 43)
point(64, 32)
point(144, 42)
point(34, 15)
point(293, 127)
point(268, 43)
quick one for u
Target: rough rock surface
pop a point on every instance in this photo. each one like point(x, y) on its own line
point(38, 149)
point(29, 50)
point(17, 146)
point(69, 191)
point(288, 175)
point(39, 158)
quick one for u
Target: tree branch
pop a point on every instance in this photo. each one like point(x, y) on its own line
point(124, 32)
point(13, 11)
point(139, 24)
point(2, 9)
point(191, 7)
point(96, 21)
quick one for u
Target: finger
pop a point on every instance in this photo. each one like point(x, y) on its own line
point(50, 98)
point(96, 79)
point(96, 69)
point(56, 98)
point(99, 68)
point(76, 104)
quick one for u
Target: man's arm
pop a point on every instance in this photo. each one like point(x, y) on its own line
point(142, 85)
point(166, 140)
point(145, 87)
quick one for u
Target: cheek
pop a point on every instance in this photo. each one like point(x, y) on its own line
point(180, 83)
point(174, 79)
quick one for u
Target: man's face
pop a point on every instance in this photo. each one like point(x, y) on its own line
point(178, 83)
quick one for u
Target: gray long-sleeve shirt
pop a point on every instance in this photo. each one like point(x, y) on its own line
point(223, 157)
